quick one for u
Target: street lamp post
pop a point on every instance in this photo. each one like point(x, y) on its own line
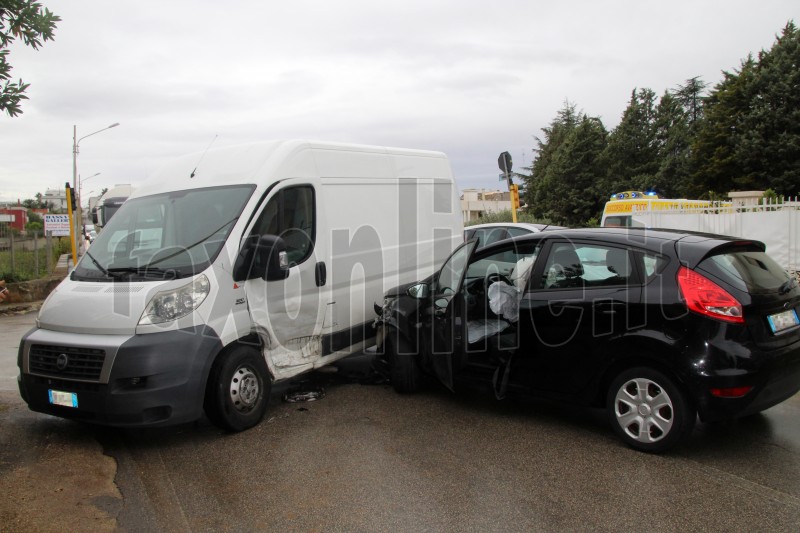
point(80, 183)
point(75, 144)
point(80, 194)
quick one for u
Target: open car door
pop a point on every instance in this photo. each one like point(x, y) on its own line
point(448, 327)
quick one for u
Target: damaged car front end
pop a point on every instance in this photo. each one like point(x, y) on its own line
point(398, 327)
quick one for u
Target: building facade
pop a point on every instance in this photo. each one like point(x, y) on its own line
point(477, 202)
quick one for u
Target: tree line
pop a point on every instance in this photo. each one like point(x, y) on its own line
point(742, 134)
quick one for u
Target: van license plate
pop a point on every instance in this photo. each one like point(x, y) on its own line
point(781, 321)
point(65, 399)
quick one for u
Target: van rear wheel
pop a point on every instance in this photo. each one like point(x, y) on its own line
point(238, 390)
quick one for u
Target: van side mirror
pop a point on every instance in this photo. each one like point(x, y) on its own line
point(263, 257)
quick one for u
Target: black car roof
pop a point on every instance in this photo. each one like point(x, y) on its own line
point(691, 246)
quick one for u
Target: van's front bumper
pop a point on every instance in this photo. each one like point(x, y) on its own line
point(140, 380)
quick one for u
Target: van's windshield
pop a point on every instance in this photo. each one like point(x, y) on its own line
point(170, 235)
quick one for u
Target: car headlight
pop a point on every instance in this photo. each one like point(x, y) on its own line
point(171, 305)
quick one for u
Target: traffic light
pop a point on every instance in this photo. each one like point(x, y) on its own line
point(71, 197)
point(514, 196)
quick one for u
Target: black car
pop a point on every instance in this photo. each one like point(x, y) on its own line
point(657, 326)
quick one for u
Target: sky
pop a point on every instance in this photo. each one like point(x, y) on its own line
point(471, 79)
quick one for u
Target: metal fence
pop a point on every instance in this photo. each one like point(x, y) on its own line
point(774, 221)
point(27, 257)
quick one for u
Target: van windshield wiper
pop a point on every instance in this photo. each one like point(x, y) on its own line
point(109, 273)
point(145, 270)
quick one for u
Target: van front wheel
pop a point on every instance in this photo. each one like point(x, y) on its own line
point(238, 390)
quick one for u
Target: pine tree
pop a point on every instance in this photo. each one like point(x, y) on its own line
point(632, 150)
point(750, 137)
point(691, 99)
point(715, 145)
point(554, 137)
point(567, 190)
point(768, 148)
point(676, 118)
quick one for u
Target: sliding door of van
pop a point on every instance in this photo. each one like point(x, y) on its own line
point(288, 313)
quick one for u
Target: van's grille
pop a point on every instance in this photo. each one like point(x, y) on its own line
point(67, 361)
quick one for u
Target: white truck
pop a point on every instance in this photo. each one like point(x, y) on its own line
point(109, 203)
point(233, 269)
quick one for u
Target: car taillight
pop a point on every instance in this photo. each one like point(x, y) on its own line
point(707, 298)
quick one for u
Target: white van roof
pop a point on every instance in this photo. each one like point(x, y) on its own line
point(247, 162)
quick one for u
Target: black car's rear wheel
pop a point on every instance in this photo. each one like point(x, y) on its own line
point(648, 411)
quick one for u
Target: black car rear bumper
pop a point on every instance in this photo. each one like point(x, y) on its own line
point(775, 380)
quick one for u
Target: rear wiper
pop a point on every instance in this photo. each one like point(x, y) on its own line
point(789, 285)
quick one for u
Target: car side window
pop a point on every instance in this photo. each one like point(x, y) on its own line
point(290, 215)
point(571, 265)
point(516, 232)
point(487, 236)
point(653, 265)
point(512, 265)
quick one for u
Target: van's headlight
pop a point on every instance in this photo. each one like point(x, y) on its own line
point(176, 303)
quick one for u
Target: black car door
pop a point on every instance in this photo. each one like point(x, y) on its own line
point(468, 323)
point(446, 326)
point(580, 299)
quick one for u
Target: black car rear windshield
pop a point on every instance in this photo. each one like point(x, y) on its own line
point(749, 271)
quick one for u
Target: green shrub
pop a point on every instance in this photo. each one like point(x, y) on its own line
point(505, 216)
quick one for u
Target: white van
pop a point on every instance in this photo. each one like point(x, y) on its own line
point(230, 270)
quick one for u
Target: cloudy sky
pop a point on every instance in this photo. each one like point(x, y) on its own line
point(471, 79)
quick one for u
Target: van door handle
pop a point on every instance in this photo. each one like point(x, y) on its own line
point(321, 274)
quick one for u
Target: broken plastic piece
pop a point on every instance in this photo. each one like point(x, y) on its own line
point(305, 395)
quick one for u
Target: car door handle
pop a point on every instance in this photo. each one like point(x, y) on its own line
point(608, 308)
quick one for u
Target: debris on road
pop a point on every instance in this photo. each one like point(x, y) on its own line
point(304, 394)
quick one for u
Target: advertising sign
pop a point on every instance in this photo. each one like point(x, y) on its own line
point(58, 224)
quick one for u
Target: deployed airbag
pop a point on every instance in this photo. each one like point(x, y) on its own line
point(504, 300)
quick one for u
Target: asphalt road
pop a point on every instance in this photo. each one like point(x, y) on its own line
point(364, 458)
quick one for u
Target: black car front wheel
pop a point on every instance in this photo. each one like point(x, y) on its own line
point(404, 371)
point(648, 411)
